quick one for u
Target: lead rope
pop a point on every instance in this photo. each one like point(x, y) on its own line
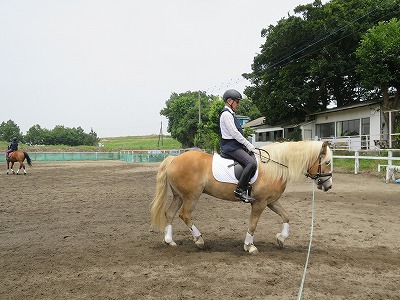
point(300, 294)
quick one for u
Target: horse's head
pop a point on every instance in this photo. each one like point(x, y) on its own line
point(321, 169)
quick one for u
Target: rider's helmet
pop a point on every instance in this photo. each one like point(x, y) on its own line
point(14, 139)
point(233, 94)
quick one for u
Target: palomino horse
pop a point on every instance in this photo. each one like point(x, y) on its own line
point(18, 156)
point(190, 174)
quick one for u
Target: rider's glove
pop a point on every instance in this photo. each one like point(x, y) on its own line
point(251, 148)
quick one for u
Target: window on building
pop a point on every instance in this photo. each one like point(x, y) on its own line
point(348, 128)
point(365, 123)
point(261, 137)
point(325, 130)
point(269, 136)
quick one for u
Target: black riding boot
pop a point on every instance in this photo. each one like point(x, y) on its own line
point(242, 191)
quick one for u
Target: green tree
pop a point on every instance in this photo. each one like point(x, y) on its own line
point(9, 130)
point(36, 135)
point(91, 138)
point(248, 108)
point(73, 136)
point(379, 57)
point(308, 60)
point(182, 112)
point(209, 132)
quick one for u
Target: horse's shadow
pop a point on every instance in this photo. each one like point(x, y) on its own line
point(232, 246)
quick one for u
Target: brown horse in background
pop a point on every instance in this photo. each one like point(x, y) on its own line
point(18, 156)
point(190, 174)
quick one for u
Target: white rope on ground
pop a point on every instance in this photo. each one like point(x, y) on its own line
point(300, 294)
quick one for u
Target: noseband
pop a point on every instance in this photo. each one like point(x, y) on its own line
point(319, 174)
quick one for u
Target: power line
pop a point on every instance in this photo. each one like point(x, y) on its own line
point(327, 36)
point(235, 81)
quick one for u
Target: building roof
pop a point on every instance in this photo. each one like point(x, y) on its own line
point(355, 105)
point(255, 123)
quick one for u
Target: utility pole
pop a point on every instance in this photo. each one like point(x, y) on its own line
point(199, 107)
point(160, 136)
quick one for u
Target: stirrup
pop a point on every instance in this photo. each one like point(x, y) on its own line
point(243, 195)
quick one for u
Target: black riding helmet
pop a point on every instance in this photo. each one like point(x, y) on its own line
point(233, 94)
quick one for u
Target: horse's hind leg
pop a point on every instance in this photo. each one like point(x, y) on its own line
point(284, 234)
point(21, 165)
point(185, 213)
point(170, 214)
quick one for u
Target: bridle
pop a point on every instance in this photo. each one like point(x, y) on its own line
point(319, 175)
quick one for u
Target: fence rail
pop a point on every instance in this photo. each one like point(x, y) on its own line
point(357, 158)
point(70, 156)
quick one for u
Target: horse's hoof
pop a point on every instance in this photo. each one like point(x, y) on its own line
point(170, 243)
point(280, 241)
point(199, 241)
point(251, 249)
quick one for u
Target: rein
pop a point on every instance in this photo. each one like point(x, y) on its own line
point(268, 158)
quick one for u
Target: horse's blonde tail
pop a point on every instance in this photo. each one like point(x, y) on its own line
point(158, 205)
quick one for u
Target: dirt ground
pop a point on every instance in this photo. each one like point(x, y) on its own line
point(80, 230)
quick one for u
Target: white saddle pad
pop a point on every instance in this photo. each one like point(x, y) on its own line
point(223, 173)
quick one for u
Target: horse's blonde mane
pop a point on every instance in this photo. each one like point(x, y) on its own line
point(297, 156)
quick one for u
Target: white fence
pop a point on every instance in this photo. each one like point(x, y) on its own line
point(357, 158)
point(364, 142)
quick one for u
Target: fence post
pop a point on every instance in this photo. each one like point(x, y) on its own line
point(356, 162)
point(390, 155)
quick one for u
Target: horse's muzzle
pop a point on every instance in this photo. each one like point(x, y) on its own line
point(325, 189)
point(324, 184)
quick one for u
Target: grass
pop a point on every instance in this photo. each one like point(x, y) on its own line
point(141, 142)
point(150, 142)
point(347, 164)
point(365, 165)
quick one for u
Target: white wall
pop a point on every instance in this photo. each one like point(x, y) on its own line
point(372, 112)
point(308, 130)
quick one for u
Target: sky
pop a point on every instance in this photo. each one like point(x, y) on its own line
point(110, 65)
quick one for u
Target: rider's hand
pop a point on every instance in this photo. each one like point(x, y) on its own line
point(251, 148)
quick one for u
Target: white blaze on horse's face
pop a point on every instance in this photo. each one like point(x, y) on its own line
point(324, 181)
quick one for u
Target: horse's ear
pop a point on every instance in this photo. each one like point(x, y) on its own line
point(325, 144)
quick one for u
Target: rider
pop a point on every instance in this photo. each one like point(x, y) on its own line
point(234, 145)
point(12, 147)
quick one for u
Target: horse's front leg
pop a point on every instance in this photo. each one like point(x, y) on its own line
point(284, 234)
point(10, 169)
point(256, 210)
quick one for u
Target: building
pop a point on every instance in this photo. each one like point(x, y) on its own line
point(358, 126)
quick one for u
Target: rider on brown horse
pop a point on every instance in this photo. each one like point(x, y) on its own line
point(12, 147)
point(235, 146)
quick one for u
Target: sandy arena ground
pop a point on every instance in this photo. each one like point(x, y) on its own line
point(80, 230)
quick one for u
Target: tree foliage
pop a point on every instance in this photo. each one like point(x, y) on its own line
point(182, 112)
point(308, 60)
point(60, 135)
point(9, 130)
point(379, 56)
